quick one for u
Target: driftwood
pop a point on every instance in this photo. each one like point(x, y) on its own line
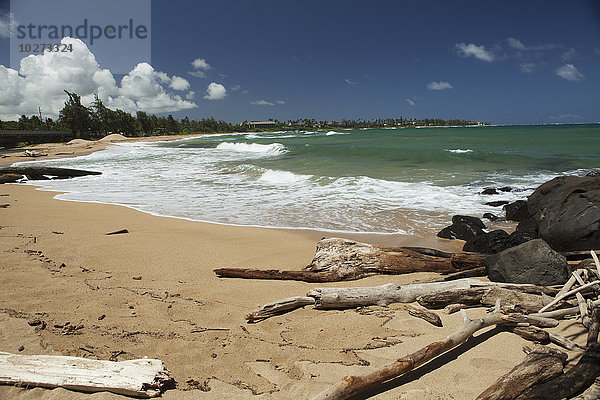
point(540, 365)
point(352, 385)
point(341, 259)
point(577, 379)
point(531, 333)
point(592, 393)
point(44, 173)
point(328, 298)
point(139, 378)
point(425, 314)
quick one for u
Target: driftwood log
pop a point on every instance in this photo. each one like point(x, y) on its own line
point(336, 298)
point(341, 260)
point(44, 173)
point(540, 365)
point(352, 385)
point(139, 378)
point(577, 379)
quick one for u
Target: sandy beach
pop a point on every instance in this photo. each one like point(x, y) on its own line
point(152, 292)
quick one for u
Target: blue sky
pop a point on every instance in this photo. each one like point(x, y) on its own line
point(506, 62)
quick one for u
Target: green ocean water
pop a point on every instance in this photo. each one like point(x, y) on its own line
point(442, 156)
point(408, 180)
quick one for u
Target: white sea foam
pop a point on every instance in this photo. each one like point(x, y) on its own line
point(270, 149)
point(459, 151)
point(282, 177)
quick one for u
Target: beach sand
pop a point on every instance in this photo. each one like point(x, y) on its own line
point(152, 292)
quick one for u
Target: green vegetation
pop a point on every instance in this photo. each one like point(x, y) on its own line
point(97, 121)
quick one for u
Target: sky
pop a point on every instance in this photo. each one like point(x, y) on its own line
point(505, 62)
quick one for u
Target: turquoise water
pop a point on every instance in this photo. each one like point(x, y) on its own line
point(377, 180)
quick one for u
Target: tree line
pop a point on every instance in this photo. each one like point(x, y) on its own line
point(97, 120)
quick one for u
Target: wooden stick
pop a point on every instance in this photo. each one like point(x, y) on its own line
point(423, 313)
point(140, 378)
point(585, 319)
point(352, 385)
point(563, 312)
point(568, 285)
point(279, 307)
point(569, 293)
point(592, 393)
point(540, 365)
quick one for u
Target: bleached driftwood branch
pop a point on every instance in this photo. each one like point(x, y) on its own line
point(139, 378)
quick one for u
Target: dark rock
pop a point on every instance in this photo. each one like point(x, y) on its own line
point(460, 219)
point(567, 212)
point(497, 203)
point(593, 173)
point(518, 237)
point(489, 243)
point(490, 216)
point(489, 191)
point(10, 178)
point(506, 189)
point(463, 227)
point(21, 348)
point(517, 211)
point(531, 262)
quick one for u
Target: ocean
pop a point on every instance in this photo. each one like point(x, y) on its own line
point(405, 180)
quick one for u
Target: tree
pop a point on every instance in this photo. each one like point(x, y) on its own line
point(74, 115)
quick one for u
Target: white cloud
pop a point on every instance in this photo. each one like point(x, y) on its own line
point(200, 63)
point(439, 85)
point(42, 79)
point(410, 102)
point(262, 103)
point(215, 91)
point(200, 67)
point(479, 52)
point(245, 91)
point(280, 102)
point(190, 95)
point(349, 82)
point(527, 67)
point(515, 43)
point(569, 54)
point(235, 87)
point(570, 73)
point(179, 83)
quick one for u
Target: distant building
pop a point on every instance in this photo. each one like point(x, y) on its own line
point(262, 124)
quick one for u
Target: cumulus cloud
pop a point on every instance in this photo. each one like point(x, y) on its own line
point(200, 63)
point(570, 73)
point(235, 87)
point(349, 82)
point(190, 95)
point(262, 103)
point(472, 50)
point(179, 83)
point(42, 79)
point(410, 102)
point(215, 91)
point(200, 67)
point(439, 85)
point(527, 67)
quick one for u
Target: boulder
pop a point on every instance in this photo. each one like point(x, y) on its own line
point(566, 211)
point(10, 178)
point(463, 227)
point(489, 191)
point(489, 243)
point(517, 211)
point(531, 262)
